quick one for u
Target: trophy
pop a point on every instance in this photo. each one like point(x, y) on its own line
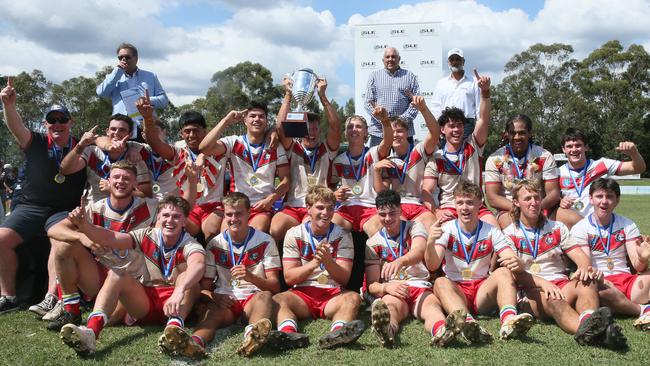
point(302, 92)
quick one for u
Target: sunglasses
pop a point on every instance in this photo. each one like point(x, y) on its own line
point(55, 120)
point(124, 57)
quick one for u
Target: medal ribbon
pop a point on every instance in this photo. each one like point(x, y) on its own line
point(156, 170)
point(515, 160)
point(254, 162)
point(192, 154)
point(468, 257)
point(167, 268)
point(107, 163)
point(312, 156)
point(107, 224)
point(243, 250)
point(312, 244)
point(606, 244)
point(355, 170)
point(402, 174)
point(384, 235)
point(55, 152)
point(458, 168)
point(582, 174)
point(534, 249)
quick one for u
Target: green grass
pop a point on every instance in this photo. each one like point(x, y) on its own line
point(24, 340)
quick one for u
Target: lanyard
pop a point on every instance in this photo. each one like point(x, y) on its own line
point(312, 244)
point(515, 160)
point(167, 268)
point(55, 152)
point(192, 154)
point(156, 169)
point(243, 250)
point(458, 168)
point(534, 249)
point(582, 174)
point(384, 235)
point(606, 244)
point(469, 256)
point(107, 163)
point(402, 174)
point(357, 170)
point(255, 163)
point(312, 156)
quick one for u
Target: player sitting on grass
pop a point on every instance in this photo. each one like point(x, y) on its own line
point(174, 265)
point(317, 262)
point(547, 290)
point(466, 245)
point(397, 276)
point(612, 240)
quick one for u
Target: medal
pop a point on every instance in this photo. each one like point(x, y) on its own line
point(458, 168)
point(59, 178)
point(323, 279)
point(311, 180)
point(357, 189)
point(610, 264)
point(253, 180)
point(401, 174)
point(156, 188)
point(255, 163)
point(515, 162)
point(402, 275)
point(535, 268)
point(580, 189)
point(312, 155)
point(606, 242)
point(199, 187)
point(466, 273)
point(234, 283)
point(579, 205)
point(167, 268)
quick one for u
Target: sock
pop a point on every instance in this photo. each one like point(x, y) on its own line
point(336, 325)
point(59, 292)
point(248, 329)
point(436, 326)
point(10, 297)
point(469, 318)
point(199, 340)
point(645, 309)
point(71, 303)
point(175, 321)
point(506, 312)
point(584, 316)
point(96, 322)
point(288, 326)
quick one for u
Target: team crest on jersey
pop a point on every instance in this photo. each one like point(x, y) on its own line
point(566, 182)
point(346, 170)
point(254, 256)
point(482, 247)
point(305, 251)
point(549, 240)
point(620, 237)
point(156, 255)
point(223, 258)
point(384, 253)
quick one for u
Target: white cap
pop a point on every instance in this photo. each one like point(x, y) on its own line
point(455, 51)
point(7, 166)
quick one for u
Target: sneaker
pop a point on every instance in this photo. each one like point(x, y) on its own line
point(454, 325)
point(176, 341)
point(256, 338)
point(7, 305)
point(44, 306)
point(56, 312)
point(516, 326)
point(591, 330)
point(642, 323)
point(380, 323)
point(475, 333)
point(65, 318)
point(614, 338)
point(282, 341)
point(79, 338)
point(348, 333)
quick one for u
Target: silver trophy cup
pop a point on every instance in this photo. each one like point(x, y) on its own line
point(302, 92)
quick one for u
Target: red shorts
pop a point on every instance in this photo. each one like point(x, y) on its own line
point(157, 297)
point(255, 212)
point(411, 210)
point(481, 212)
point(561, 283)
point(200, 212)
point(623, 282)
point(415, 294)
point(298, 213)
point(357, 215)
point(238, 307)
point(316, 298)
point(470, 289)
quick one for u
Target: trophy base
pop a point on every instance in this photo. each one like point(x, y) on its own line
point(295, 124)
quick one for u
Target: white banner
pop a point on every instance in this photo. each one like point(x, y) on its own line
point(420, 47)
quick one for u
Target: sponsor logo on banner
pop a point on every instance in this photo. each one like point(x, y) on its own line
point(380, 47)
point(368, 33)
point(410, 47)
point(403, 64)
point(428, 63)
point(426, 94)
point(398, 32)
point(363, 95)
point(427, 31)
point(368, 64)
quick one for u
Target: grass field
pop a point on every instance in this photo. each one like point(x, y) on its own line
point(24, 340)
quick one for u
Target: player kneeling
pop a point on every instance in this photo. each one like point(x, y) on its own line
point(175, 263)
point(397, 276)
point(547, 290)
point(466, 245)
point(317, 263)
point(242, 265)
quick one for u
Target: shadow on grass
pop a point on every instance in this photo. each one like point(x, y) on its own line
point(104, 352)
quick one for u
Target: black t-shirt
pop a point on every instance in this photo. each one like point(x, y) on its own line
point(39, 187)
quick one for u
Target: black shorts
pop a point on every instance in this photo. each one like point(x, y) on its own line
point(31, 221)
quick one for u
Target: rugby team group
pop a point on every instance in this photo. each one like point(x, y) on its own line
point(152, 232)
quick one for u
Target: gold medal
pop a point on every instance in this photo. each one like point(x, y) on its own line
point(535, 268)
point(200, 187)
point(579, 205)
point(156, 188)
point(312, 180)
point(610, 264)
point(466, 274)
point(234, 283)
point(59, 178)
point(402, 275)
point(253, 180)
point(323, 279)
point(357, 189)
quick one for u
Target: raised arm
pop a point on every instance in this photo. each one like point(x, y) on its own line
point(637, 165)
point(431, 140)
point(99, 235)
point(333, 123)
point(211, 145)
point(74, 160)
point(282, 114)
point(105, 89)
point(482, 123)
point(411, 112)
point(386, 143)
point(159, 146)
point(12, 119)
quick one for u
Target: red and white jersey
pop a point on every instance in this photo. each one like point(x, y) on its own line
point(345, 171)
point(260, 256)
point(141, 213)
point(601, 168)
point(586, 234)
point(297, 247)
point(98, 166)
point(553, 245)
point(378, 253)
point(161, 171)
point(257, 184)
point(212, 177)
point(539, 166)
point(489, 240)
point(299, 160)
point(148, 241)
point(448, 177)
point(411, 189)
